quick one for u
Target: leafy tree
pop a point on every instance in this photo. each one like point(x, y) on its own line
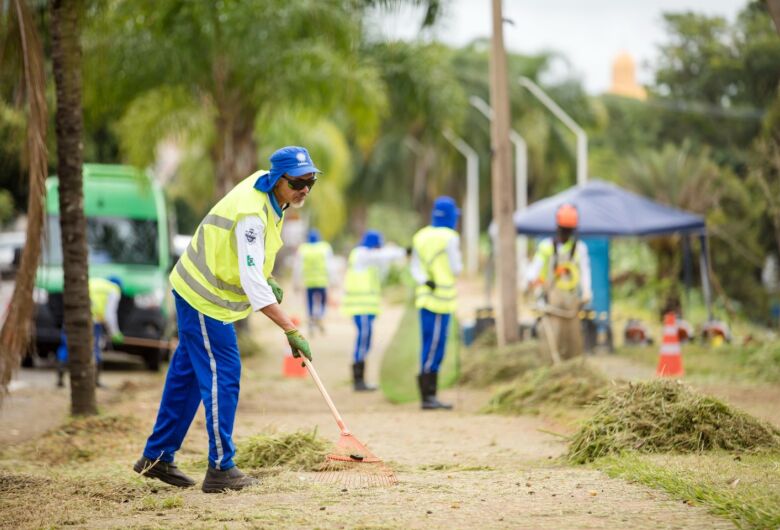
point(235, 61)
point(16, 331)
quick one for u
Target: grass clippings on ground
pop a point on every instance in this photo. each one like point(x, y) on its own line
point(569, 385)
point(295, 451)
point(743, 487)
point(667, 416)
point(82, 439)
point(484, 365)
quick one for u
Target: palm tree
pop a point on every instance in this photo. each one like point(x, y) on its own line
point(15, 335)
point(66, 59)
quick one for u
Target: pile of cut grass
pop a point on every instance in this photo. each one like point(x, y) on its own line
point(667, 416)
point(83, 439)
point(296, 451)
point(571, 384)
point(485, 365)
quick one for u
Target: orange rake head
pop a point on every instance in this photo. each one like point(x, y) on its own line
point(352, 464)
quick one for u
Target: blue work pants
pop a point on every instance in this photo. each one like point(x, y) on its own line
point(316, 298)
point(434, 340)
point(97, 335)
point(205, 367)
point(364, 324)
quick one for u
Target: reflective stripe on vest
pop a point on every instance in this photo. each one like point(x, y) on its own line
point(431, 243)
point(207, 274)
point(362, 288)
point(314, 261)
point(99, 290)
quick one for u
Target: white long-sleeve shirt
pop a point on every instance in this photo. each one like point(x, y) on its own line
point(381, 258)
point(453, 253)
point(112, 307)
point(250, 244)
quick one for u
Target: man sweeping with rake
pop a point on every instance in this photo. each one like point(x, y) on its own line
point(224, 275)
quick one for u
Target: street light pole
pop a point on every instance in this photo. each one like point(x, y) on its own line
point(471, 214)
point(521, 154)
point(521, 175)
point(582, 138)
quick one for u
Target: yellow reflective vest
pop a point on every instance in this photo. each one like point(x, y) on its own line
point(431, 243)
point(207, 274)
point(362, 287)
point(314, 263)
point(99, 291)
point(561, 265)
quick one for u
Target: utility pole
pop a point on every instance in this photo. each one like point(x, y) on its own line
point(503, 202)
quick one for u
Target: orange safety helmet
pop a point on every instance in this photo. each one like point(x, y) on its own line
point(567, 216)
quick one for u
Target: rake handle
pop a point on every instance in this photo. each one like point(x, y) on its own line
point(326, 396)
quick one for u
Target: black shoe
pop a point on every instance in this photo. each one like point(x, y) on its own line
point(217, 481)
point(164, 471)
point(358, 381)
point(428, 384)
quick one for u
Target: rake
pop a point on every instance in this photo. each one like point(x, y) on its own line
point(351, 464)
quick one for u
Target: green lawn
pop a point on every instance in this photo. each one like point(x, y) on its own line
point(401, 362)
point(745, 487)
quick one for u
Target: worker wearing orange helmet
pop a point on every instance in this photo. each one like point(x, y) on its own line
point(561, 269)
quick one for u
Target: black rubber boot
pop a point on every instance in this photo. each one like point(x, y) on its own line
point(428, 385)
point(358, 381)
point(217, 481)
point(98, 369)
point(60, 375)
point(164, 471)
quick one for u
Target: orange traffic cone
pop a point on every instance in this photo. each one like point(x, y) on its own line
point(670, 356)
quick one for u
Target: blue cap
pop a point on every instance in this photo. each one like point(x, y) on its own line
point(314, 235)
point(115, 280)
point(445, 212)
point(371, 239)
point(291, 160)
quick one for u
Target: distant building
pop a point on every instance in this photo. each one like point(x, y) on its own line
point(624, 78)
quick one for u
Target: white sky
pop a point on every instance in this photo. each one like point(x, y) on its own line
point(589, 33)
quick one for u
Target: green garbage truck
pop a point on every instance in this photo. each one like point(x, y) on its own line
point(128, 236)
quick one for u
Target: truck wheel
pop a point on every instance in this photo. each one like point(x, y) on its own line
point(152, 359)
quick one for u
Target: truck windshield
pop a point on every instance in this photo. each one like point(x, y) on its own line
point(110, 240)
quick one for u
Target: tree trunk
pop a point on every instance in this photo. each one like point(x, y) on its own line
point(235, 153)
point(66, 59)
point(501, 179)
point(17, 329)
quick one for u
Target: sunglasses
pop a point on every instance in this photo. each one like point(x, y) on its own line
point(299, 183)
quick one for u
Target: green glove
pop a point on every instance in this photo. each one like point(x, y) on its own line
point(117, 338)
point(298, 344)
point(278, 291)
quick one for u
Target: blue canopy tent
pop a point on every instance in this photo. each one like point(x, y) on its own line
point(608, 211)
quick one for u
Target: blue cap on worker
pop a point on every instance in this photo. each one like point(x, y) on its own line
point(291, 160)
point(314, 235)
point(371, 239)
point(116, 280)
point(445, 212)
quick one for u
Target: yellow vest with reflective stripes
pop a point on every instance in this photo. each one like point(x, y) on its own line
point(314, 258)
point(362, 288)
point(207, 274)
point(431, 243)
point(566, 260)
point(99, 290)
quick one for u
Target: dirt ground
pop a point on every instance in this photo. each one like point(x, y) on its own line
point(456, 469)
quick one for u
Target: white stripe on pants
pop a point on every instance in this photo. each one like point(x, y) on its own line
point(214, 391)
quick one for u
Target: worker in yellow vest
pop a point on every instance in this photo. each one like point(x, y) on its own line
point(312, 268)
point(436, 261)
point(104, 297)
point(225, 275)
point(560, 270)
point(367, 265)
